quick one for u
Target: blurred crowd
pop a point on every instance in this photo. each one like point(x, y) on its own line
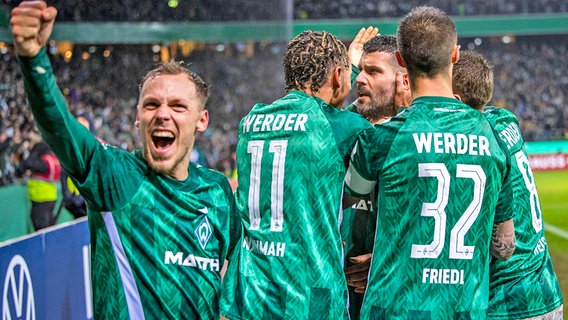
point(102, 81)
point(531, 80)
point(357, 9)
point(256, 10)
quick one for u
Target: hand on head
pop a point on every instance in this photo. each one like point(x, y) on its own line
point(356, 47)
point(32, 23)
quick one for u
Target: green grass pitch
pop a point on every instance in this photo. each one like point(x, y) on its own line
point(553, 194)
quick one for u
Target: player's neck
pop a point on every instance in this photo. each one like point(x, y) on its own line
point(439, 86)
point(325, 93)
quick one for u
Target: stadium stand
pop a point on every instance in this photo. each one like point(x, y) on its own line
point(256, 10)
point(531, 80)
point(531, 71)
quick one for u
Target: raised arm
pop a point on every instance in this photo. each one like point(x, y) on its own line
point(32, 23)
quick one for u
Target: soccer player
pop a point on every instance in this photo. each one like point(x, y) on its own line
point(291, 160)
point(160, 226)
point(377, 82)
point(441, 177)
point(525, 286)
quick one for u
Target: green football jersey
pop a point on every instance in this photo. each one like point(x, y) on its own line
point(358, 233)
point(291, 158)
point(525, 285)
point(440, 172)
point(157, 244)
point(358, 226)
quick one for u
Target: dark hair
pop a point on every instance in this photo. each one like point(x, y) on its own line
point(176, 67)
point(473, 79)
point(309, 59)
point(382, 43)
point(426, 38)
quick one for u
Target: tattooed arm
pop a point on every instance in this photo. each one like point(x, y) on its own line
point(503, 240)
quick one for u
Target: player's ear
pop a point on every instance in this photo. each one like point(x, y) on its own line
point(137, 120)
point(399, 59)
point(456, 53)
point(203, 121)
point(457, 96)
point(336, 77)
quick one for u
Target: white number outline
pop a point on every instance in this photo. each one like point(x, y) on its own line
point(536, 213)
point(437, 211)
point(256, 148)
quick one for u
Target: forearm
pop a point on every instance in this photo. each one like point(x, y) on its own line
point(503, 240)
point(56, 124)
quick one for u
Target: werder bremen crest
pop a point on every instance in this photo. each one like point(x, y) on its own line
point(203, 230)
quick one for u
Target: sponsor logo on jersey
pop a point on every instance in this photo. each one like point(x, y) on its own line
point(18, 296)
point(363, 205)
point(191, 260)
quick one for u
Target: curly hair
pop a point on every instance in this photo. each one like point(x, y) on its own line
point(309, 59)
point(176, 67)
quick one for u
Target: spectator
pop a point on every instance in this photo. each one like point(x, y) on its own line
point(43, 171)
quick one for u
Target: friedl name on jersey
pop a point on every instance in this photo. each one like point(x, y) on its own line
point(442, 276)
point(191, 260)
point(267, 248)
point(275, 122)
point(458, 143)
point(511, 135)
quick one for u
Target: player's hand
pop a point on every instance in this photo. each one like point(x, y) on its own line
point(357, 274)
point(403, 96)
point(356, 47)
point(32, 23)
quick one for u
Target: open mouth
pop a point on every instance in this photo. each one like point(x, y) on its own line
point(363, 93)
point(162, 140)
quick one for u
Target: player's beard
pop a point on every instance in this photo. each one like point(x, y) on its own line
point(377, 108)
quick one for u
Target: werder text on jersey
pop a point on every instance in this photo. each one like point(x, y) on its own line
point(275, 122)
point(455, 143)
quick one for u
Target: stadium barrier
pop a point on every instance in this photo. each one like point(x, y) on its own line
point(46, 275)
point(15, 207)
point(548, 155)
